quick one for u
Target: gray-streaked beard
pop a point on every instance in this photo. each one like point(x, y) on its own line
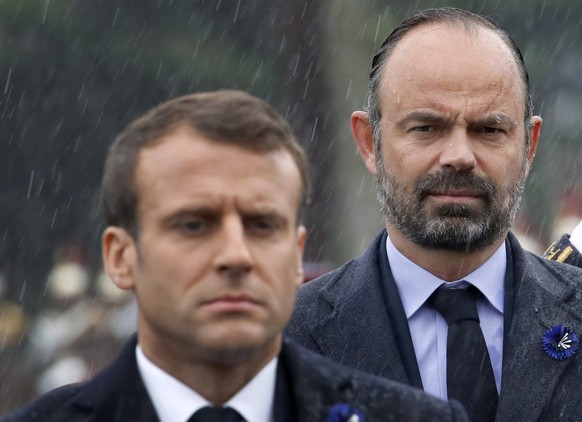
point(455, 227)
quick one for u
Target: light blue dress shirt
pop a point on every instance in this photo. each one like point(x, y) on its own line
point(428, 328)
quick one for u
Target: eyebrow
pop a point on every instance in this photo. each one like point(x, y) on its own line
point(197, 212)
point(209, 212)
point(268, 212)
point(496, 119)
point(422, 116)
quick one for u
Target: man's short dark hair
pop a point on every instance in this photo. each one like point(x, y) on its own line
point(227, 117)
point(448, 15)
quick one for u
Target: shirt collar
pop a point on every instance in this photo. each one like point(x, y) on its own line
point(488, 278)
point(175, 401)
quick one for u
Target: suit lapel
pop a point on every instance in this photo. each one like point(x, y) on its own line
point(397, 317)
point(357, 309)
point(117, 393)
point(312, 385)
point(529, 375)
point(285, 407)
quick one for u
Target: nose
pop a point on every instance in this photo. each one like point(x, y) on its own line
point(458, 152)
point(234, 256)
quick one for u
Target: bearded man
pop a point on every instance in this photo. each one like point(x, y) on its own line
point(445, 298)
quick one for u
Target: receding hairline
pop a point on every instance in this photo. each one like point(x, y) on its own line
point(473, 29)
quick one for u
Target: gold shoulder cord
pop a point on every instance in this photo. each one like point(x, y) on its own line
point(551, 253)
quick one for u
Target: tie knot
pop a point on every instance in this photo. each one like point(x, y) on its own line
point(456, 305)
point(216, 414)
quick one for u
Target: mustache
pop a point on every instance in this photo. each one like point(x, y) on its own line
point(476, 185)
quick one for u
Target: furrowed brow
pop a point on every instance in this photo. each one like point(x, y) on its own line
point(424, 117)
point(496, 120)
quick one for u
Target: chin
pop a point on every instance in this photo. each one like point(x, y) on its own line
point(240, 346)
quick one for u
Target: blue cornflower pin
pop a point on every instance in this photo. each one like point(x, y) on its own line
point(345, 413)
point(560, 342)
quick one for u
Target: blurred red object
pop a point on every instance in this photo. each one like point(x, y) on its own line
point(313, 270)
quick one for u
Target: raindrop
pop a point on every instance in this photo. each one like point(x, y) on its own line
point(377, 28)
point(348, 90)
point(8, 81)
point(30, 184)
point(45, 11)
point(236, 11)
point(313, 131)
point(115, 17)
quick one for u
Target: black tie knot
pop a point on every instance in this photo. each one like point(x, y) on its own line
point(216, 414)
point(456, 305)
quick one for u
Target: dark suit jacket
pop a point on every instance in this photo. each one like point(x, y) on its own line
point(562, 250)
point(315, 384)
point(343, 315)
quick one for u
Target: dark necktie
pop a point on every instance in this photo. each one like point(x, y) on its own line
point(216, 414)
point(470, 377)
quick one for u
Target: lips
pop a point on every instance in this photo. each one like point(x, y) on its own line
point(231, 303)
point(456, 192)
point(456, 195)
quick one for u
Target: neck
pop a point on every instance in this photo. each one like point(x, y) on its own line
point(217, 380)
point(445, 264)
point(218, 384)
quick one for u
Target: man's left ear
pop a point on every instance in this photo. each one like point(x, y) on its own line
point(534, 137)
point(301, 238)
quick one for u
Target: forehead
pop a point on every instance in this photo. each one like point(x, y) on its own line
point(453, 60)
point(184, 167)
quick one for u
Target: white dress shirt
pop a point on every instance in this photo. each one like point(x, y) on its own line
point(176, 402)
point(576, 237)
point(429, 329)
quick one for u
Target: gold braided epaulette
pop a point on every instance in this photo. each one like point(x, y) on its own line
point(557, 254)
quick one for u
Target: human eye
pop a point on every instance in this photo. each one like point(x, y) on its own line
point(259, 225)
point(494, 127)
point(425, 128)
point(491, 132)
point(425, 132)
point(263, 225)
point(192, 226)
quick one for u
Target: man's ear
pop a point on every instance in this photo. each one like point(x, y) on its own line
point(301, 238)
point(364, 138)
point(534, 137)
point(119, 256)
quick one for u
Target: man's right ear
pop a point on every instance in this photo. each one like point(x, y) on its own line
point(364, 137)
point(119, 256)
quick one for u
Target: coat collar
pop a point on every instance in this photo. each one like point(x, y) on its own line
point(355, 297)
point(117, 393)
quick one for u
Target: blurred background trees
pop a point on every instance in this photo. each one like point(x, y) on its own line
point(74, 73)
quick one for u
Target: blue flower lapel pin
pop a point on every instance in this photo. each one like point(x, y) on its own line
point(345, 413)
point(560, 342)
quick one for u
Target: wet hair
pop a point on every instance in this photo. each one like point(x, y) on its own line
point(451, 16)
point(226, 117)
